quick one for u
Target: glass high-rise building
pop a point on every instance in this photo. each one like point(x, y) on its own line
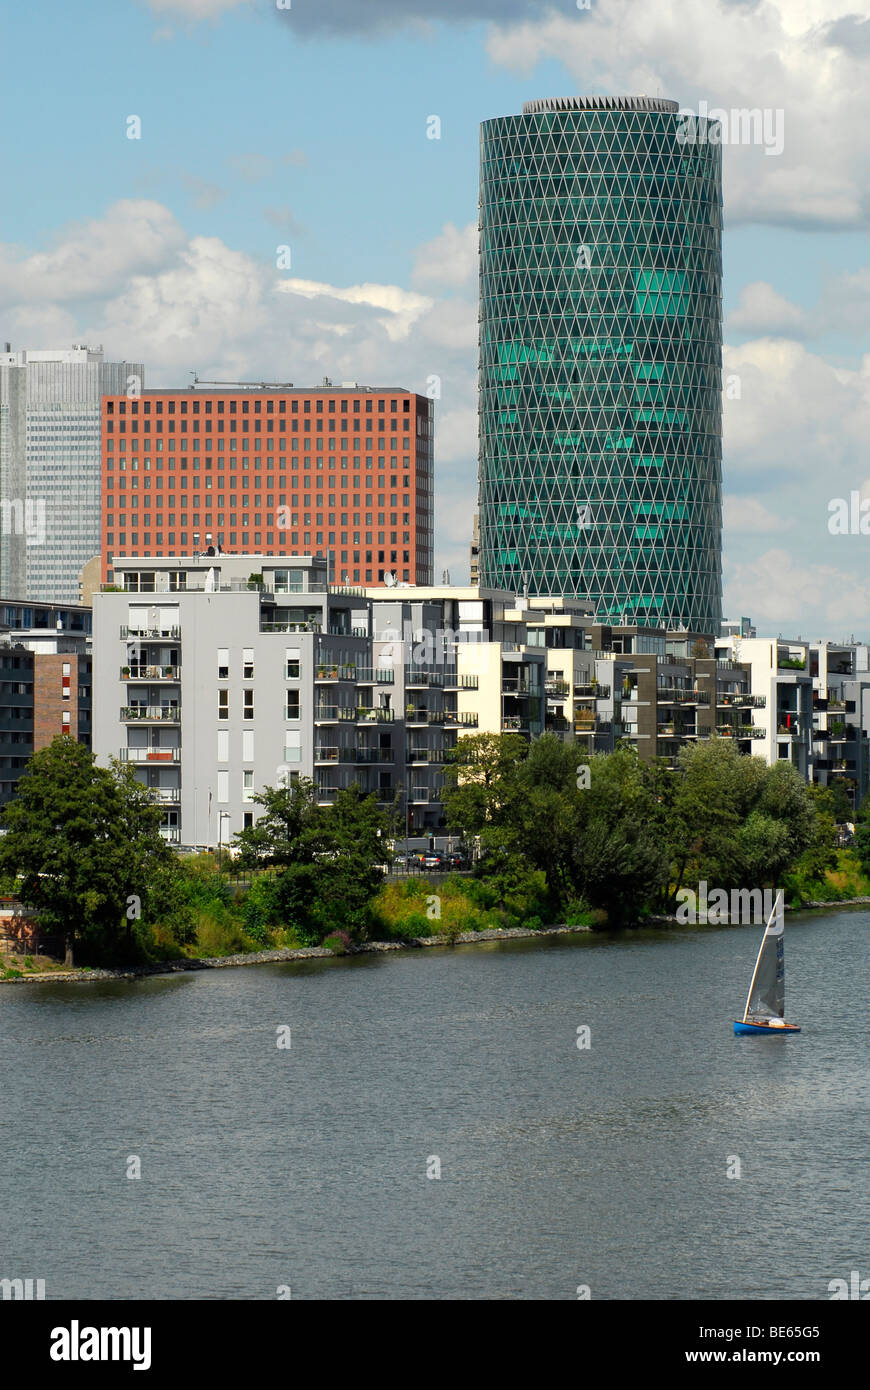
point(601, 357)
point(50, 465)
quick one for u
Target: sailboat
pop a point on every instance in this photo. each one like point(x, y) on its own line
point(765, 1002)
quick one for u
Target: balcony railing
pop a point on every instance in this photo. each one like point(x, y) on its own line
point(169, 632)
point(465, 720)
point(454, 682)
point(740, 700)
point(364, 756)
point(150, 713)
point(368, 715)
point(332, 714)
point(556, 690)
point(166, 796)
point(418, 715)
point(150, 755)
point(150, 673)
point(332, 671)
point(591, 691)
point(332, 754)
point(423, 678)
point(289, 627)
point(673, 695)
point(368, 675)
point(424, 755)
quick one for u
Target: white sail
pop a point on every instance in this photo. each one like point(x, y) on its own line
point(766, 997)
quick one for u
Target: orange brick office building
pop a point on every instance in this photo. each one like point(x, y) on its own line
point(272, 470)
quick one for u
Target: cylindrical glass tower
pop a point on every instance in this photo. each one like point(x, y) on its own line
point(601, 358)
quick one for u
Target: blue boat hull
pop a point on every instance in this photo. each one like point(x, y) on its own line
point(765, 1028)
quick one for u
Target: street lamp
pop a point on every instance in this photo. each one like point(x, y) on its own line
point(222, 816)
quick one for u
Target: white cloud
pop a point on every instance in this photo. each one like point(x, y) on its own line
point(749, 515)
point(404, 306)
point(774, 55)
point(799, 417)
point(94, 257)
point(197, 9)
point(449, 259)
point(785, 593)
point(760, 309)
point(456, 436)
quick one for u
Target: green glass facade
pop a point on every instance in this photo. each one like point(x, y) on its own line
point(601, 359)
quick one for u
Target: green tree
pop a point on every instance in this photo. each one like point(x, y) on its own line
point(84, 844)
point(861, 843)
point(327, 857)
point(480, 784)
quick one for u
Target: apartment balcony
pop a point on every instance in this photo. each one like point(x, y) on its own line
point(166, 796)
point(788, 731)
point(422, 680)
point(369, 715)
point(454, 682)
point(557, 724)
point(367, 675)
point(171, 834)
point(331, 671)
point(424, 716)
point(364, 756)
point(329, 753)
point(150, 755)
point(676, 731)
point(591, 690)
point(170, 633)
point(150, 673)
point(433, 756)
point(556, 690)
point(511, 685)
point(290, 628)
point(423, 795)
point(739, 731)
point(151, 714)
point(334, 714)
point(454, 719)
point(515, 723)
point(671, 695)
point(740, 700)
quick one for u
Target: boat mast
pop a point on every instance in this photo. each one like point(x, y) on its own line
point(758, 957)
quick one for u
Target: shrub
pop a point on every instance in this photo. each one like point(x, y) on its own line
point(339, 942)
point(220, 937)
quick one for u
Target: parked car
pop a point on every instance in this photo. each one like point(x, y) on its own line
point(456, 860)
point(433, 860)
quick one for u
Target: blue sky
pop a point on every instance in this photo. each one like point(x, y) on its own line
point(307, 127)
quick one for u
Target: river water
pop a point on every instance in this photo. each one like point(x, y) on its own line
point(560, 1167)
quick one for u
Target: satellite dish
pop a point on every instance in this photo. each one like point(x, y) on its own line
point(389, 579)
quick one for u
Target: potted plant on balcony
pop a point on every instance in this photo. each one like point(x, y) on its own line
point(255, 581)
point(125, 671)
